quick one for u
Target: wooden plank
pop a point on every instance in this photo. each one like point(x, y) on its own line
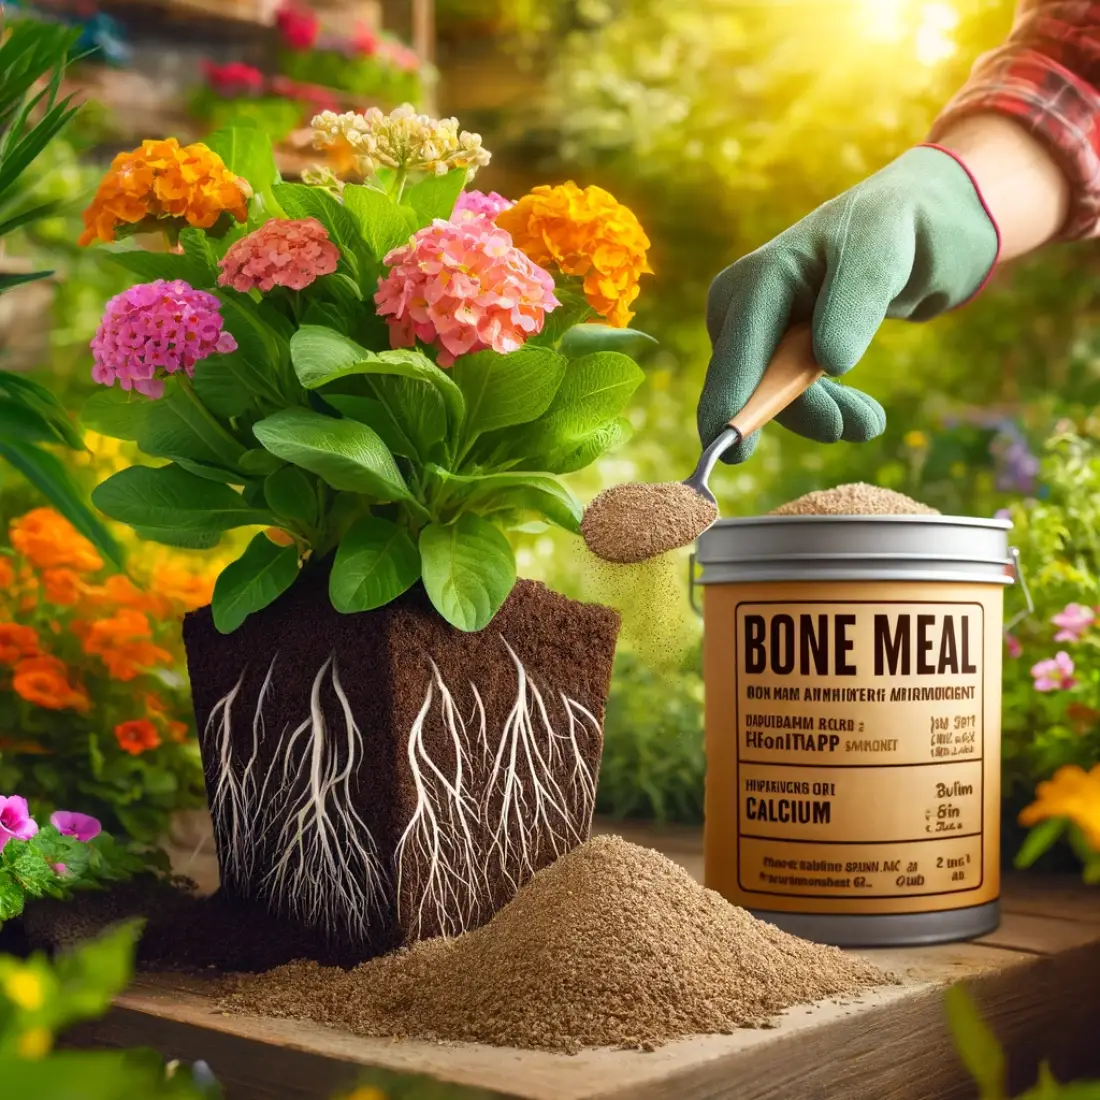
point(888, 1044)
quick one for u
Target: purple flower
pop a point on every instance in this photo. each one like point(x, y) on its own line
point(154, 329)
point(1002, 513)
point(1017, 467)
point(59, 869)
point(1055, 673)
point(15, 819)
point(70, 823)
point(1072, 622)
point(1012, 644)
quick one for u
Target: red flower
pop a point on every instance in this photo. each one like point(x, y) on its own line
point(315, 97)
point(298, 26)
point(365, 42)
point(234, 80)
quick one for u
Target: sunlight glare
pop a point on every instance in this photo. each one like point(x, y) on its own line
point(933, 40)
point(884, 20)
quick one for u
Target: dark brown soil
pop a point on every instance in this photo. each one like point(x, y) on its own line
point(388, 662)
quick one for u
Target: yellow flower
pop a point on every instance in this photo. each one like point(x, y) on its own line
point(24, 988)
point(34, 1043)
point(162, 179)
point(1071, 792)
point(916, 440)
point(588, 233)
point(366, 1092)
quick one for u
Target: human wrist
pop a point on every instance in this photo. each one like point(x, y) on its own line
point(1021, 184)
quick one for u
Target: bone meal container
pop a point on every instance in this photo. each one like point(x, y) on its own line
point(853, 723)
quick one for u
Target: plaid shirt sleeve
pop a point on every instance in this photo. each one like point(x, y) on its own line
point(1047, 77)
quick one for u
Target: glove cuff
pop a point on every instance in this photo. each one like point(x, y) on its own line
point(988, 213)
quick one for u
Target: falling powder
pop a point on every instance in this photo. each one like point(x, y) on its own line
point(635, 522)
point(612, 945)
point(856, 499)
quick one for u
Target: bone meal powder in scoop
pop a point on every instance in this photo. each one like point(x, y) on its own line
point(612, 945)
point(635, 522)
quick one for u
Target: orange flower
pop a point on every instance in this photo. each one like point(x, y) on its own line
point(123, 643)
point(17, 642)
point(179, 731)
point(162, 179)
point(137, 736)
point(185, 589)
point(7, 574)
point(63, 587)
point(48, 540)
point(44, 681)
point(586, 233)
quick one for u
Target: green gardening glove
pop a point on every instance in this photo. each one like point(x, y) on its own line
point(911, 241)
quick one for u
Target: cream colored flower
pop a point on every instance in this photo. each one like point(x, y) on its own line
point(402, 140)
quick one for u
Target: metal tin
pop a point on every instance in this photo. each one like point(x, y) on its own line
point(906, 595)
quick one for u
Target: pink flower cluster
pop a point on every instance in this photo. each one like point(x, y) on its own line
point(154, 329)
point(16, 822)
point(1072, 622)
point(235, 80)
point(472, 205)
point(463, 287)
point(1054, 674)
point(282, 252)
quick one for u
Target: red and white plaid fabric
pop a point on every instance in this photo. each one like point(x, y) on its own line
point(1047, 76)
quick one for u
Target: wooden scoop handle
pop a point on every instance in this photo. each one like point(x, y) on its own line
point(792, 371)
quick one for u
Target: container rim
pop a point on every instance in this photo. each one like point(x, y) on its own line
point(932, 521)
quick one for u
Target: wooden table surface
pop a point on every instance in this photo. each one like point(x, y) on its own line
point(1037, 979)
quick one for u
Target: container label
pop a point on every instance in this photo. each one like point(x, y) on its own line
point(860, 749)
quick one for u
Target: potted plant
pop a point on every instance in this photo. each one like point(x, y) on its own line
point(395, 732)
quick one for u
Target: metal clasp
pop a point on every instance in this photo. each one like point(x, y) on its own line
point(1029, 608)
point(692, 585)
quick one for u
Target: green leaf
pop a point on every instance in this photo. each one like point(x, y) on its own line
point(593, 392)
point(9, 281)
point(302, 201)
point(247, 153)
point(262, 359)
point(435, 196)
point(197, 247)
point(502, 390)
point(486, 494)
point(255, 580)
point(259, 462)
point(51, 479)
point(375, 414)
point(976, 1045)
point(376, 562)
point(170, 498)
point(573, 310)
point(96, 971)
point(291, 496)
point(19, 423)
point(150, 266)
point(347, 455)
point(582, 453)
point(11, 898)
point(116, 414)
point(219, 388)
point(181, 540)
point(468, 569)
point(322, 356)
point(587, 339)
point(177, 425)
point(383, 224)
point(38, 399)
point(1039, 839)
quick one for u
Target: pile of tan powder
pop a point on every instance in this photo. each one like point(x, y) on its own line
point(856, 499)
point(637, 521)
point(612, 945)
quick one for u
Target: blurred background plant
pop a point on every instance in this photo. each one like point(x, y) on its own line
point(720, 123)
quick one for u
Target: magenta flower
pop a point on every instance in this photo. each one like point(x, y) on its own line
point(1012, 643)
point(463, 288)
point(1073, 621)
point(280, 253)
point(472, 205)
point(70, 823)
point(1054, 674)
point(154, 329)
point(15, 819)
point(59, 869)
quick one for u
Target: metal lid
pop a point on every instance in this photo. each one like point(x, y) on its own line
point(866, 548)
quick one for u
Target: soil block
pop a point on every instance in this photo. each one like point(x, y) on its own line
point(381, 777)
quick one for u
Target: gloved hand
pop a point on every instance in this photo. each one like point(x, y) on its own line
point(911, 241)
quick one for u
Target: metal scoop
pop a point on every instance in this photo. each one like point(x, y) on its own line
point(791, 372)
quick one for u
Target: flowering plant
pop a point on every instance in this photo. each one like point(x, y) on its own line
point(52, 861)
point(90, 677)
point(1052, 662)
point(379, 375)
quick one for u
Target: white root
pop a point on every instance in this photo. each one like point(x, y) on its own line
point(439, 843)
point(480, 813)
point(327, 872)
